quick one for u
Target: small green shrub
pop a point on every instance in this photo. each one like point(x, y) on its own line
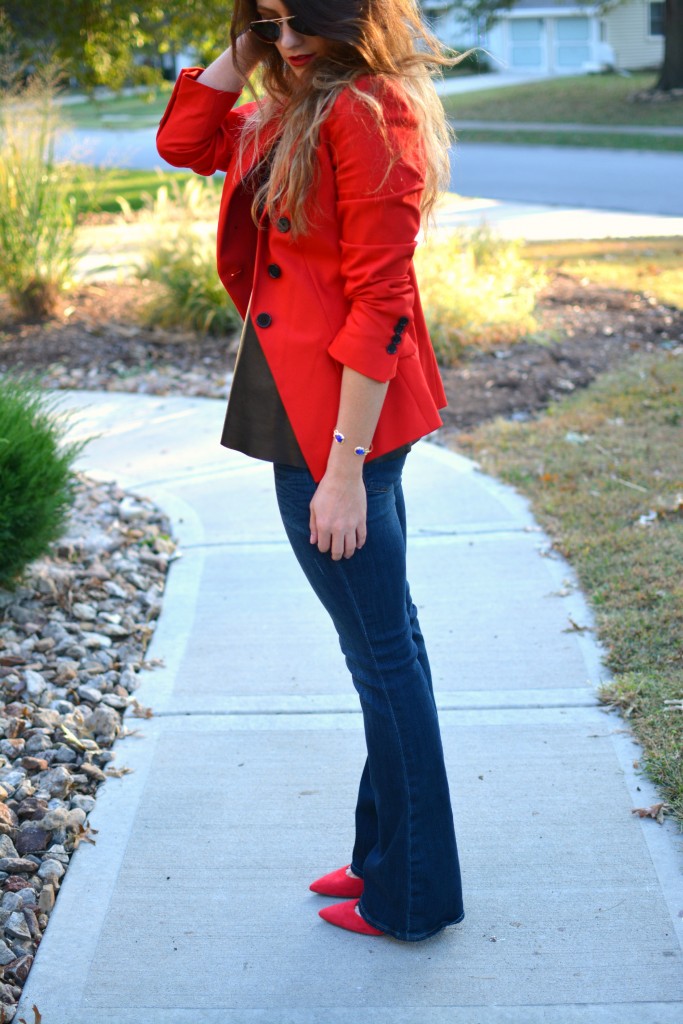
point(35, 475)
point(182, 259)
point(38, 212)
point(477, 292)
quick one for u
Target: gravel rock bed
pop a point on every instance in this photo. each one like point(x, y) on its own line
point(73, 637)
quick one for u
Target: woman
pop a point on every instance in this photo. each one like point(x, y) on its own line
point(326, 181)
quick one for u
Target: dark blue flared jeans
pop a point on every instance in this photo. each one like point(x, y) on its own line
point(405, 847)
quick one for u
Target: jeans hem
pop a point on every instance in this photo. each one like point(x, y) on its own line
point(407, 936)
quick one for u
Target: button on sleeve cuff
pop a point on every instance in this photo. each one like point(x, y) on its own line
point(378, 364)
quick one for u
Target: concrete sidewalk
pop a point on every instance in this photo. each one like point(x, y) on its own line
point(456, 84)
point(194, 907)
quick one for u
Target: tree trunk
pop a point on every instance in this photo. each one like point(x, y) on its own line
point(671, 75)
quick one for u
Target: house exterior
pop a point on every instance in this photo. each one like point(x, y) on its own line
point(560, 37)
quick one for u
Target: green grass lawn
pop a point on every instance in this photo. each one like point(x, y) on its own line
point(584, 99)
point(143, 110)
point(96, 190)
point(611, 140)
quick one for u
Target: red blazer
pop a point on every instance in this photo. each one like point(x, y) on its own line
point(343, 294)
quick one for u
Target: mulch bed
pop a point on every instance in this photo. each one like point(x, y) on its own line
point(95, 341)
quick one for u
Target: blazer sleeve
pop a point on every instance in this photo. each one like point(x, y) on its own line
point(199, 128)
point(378, 215)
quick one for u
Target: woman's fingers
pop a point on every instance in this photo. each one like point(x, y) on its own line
point(340, 544)
point(337, 517)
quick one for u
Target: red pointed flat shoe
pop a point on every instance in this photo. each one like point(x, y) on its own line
point(338, 883)
point(344, 916)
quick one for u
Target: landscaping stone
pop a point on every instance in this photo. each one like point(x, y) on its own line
point(73, 637)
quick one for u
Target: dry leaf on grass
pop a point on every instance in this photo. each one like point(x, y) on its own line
point(656, 812)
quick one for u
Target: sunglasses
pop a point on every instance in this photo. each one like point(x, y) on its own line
point(270, 29)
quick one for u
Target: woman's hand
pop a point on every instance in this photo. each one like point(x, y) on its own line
point(338, 514)
point(340, 505)
point(229, 72)
point(250, 50)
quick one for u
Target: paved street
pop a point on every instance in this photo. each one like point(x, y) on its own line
point(605, 179)
point(620, 180)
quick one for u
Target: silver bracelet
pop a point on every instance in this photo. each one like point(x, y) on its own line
point(358, 450)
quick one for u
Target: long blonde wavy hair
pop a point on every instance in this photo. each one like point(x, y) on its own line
point(382, 38)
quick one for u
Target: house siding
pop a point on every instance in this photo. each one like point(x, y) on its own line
point(626, 30)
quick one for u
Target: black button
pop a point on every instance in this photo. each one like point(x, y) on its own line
point(283, 224)
point(391, 349)
point(396, 338)
point(274, 270)
point(264, 320)
point(403, 322)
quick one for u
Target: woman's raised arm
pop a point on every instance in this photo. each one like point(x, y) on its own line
point(198, 129)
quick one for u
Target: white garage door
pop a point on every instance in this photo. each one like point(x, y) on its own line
point(572, 43)
point(549, 44)
point(528, 44)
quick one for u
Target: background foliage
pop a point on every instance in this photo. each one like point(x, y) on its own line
point(109, 42)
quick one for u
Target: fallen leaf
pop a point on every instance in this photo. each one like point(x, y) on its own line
point(574, 627)
point(153, 663)
point(37, 1016)
point(76, 742)
point(139, 710)
point(656, 812)
point(85, 832)
point(116, 773)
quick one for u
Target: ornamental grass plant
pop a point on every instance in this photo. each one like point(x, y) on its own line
point(477, 290)
point(35, 475)
point(38, 210)
point(181, 258)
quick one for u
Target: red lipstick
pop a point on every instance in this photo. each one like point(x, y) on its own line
point(302, 60)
